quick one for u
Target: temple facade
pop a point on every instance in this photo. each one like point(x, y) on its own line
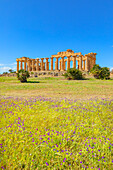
point(59, 62)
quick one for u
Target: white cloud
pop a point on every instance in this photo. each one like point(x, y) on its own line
point(13, 64)
point(112, 45)
point(4, 69)
point(14, 68)
point(1, 64)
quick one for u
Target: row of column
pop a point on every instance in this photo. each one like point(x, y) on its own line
point(87, 63)
point(21, 65)
point(30, 64)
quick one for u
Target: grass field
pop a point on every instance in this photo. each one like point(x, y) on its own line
point(57, 88)
point(52, 123)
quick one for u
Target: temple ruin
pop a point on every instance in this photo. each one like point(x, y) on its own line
point(58, 63)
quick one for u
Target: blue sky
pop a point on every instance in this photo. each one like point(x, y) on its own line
point(41, 28)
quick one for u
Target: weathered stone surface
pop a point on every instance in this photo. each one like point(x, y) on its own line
point(85, 63)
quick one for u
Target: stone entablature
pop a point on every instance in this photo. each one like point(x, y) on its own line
point(83, 63)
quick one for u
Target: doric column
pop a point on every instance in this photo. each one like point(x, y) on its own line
point(47, 64)
point(37, 64)
point(33, 64)
point(17, 65)
point(80, 62)
point(42, 64)
point(56, 63)
point(94, 61)
point(83, 64)
point(28, 64)
point(25, 65)
point(21, 64)
point(74, 62)
point(51, 63)
point(68, 62)
point(87, 67)
point(62, 64)
point(89, 63)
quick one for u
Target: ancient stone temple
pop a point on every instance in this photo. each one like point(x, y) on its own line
point(58, 63)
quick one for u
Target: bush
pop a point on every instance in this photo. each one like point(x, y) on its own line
point(5, 72)
point(73, 74)
point(96, 71)
point(22, 75)
point(105, 73)
point(100, 73)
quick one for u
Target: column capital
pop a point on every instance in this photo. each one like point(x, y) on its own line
point(95, 53)
point(80, 55)
point(58, 56)
point(33, 59)
point(75, 55)
point(37, 59)
point(62, 56)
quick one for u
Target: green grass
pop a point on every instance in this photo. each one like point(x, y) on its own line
point(56, 88)
point(52, 123)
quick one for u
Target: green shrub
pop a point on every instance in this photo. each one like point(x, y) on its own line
point(22, 75)
point(105, 73)
point(5, 72)
point(100, 73)
point(96, 71)
point(73, 74)
point(32, 73)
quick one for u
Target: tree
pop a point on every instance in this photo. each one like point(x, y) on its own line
point(10, 70)
point(73, 74)
point(5, 72)
point(100, 73)
point(96, 71)
point(22, 75)
point(104, 73)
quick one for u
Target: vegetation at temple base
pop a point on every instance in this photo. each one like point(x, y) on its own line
point(73, 74)
point(22, 75)
point(100, 73)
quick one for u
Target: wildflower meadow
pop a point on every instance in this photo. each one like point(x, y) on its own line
point(56, 132)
